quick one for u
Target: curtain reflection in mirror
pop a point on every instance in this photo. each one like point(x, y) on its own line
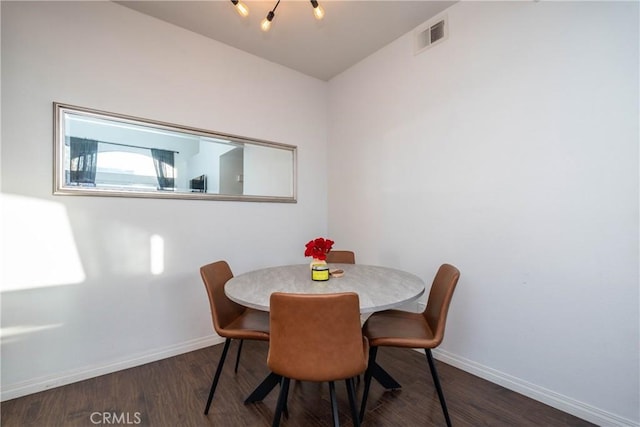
point(163, 160)
point(84, 157)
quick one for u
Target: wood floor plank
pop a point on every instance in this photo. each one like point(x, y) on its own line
point(173, 392)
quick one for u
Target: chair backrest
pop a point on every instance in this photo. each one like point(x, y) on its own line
point(440, 296)
point(341, 257)
point(316, 337)
point(223, 310)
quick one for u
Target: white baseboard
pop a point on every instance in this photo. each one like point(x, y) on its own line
point(12, 391)
point(548, 397)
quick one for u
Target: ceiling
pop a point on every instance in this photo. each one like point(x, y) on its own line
point(350, 31)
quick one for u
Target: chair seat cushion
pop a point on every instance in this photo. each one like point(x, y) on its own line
point(251, 324)
point(396, 328)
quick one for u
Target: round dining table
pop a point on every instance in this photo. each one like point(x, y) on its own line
point(378, 288)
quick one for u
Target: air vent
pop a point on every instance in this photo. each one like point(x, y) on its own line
point(430, 34)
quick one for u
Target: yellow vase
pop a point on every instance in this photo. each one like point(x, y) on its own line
point(319, 270)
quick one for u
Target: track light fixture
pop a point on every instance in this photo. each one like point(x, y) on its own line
point(265, 25)
point(241, 8)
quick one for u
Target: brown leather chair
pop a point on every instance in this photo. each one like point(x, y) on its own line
point(316, 338)
point(230, 320)
point(341, 257)
point(395, 328)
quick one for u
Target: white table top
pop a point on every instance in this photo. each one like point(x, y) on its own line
point(378, 288)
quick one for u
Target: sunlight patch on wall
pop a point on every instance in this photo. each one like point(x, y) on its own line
point(16, 333)
point(38, 248)
point(156, 249)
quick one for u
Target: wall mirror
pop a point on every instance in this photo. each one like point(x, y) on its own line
point(106, 154)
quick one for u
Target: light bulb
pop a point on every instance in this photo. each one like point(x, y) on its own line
point(242, 9)
point(318, 12)
point(265, 25)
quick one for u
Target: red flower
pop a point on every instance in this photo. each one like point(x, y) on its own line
point(318, 248)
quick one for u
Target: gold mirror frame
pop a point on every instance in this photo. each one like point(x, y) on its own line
point(205, 165)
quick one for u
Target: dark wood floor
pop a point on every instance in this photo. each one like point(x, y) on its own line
point(173, 392)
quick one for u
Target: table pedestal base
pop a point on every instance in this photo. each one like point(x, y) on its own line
point(383, 377)
point(272, 380)
point(264, 388)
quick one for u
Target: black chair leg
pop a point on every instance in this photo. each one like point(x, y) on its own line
point(334, 403)
point(282, 401)
point(285, 409)
point(351, 391)
point(238, 356)
point(216, 377)
point(436, 381)
point(373, 351)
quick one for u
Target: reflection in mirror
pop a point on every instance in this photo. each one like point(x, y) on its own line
point(99, 153)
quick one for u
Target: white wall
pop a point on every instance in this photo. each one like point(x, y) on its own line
point(83, 300)
point(511, 151)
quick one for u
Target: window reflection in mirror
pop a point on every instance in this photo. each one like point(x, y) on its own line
point(100, 153)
